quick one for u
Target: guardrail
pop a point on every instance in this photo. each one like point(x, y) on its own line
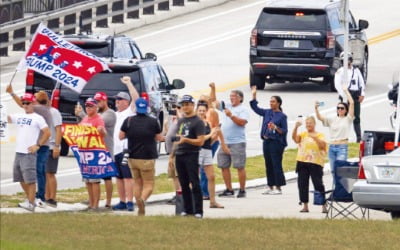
point(81, 15)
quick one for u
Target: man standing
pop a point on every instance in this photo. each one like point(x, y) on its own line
point(29, 126)
point(356, 86)
point(190, 138)
point(142, 132)
point(40, 107)
point(124, 177)
point(109, 119)
point(234, 121)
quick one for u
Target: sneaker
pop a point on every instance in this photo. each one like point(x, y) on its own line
point(130, 206)
point(276, 191)
point(108, 207)
point(267, 192)
point(51, 203)
point(140, 204)
point(27, 205)
point(120, 206)
point(172, 201)
point(184, 214)
point(40, 203)
point(198, 216)
point(227, 193)
point(241, 194)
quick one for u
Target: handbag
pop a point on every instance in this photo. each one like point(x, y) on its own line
point(319, 198)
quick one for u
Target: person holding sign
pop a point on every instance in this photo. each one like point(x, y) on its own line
point(92, 118)
point(29, 126)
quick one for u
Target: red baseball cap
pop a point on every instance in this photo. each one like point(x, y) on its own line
point(29, 97)
point(100, 96)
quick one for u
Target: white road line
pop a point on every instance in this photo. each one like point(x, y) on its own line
point(200, 20)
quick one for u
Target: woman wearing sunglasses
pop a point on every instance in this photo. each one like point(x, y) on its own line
point(339, 128)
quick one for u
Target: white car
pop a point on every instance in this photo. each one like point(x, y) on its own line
point(380, 189)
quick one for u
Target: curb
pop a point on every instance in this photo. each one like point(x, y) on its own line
point(159, 16)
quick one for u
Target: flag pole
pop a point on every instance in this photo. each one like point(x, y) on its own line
point(12, 78)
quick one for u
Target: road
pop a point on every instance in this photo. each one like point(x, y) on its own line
point(212, 45)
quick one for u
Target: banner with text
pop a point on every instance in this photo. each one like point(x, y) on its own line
point(55, 57)
point(3, 122)
point(94, 159)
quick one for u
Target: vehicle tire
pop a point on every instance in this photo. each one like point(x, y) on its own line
point(64, 148)
point(330, 81)
point(364, 67)
point(257, 80)
point(395, 215)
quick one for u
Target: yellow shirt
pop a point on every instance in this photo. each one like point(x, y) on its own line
point(309, 150)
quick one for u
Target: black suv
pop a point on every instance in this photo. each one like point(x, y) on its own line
point(148, 77)
point(302, 40)
point(106, 46)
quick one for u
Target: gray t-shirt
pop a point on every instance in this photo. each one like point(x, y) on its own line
point(110, 118)
point(44, 111)
point(57, 121)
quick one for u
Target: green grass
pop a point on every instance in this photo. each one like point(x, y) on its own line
point(90, 231)
point(255, 168)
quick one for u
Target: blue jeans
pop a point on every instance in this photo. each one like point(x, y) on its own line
point(203, 176)
point(337, 152)
point(41, 160)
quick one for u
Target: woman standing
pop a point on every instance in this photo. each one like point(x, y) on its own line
point(273, 133)
point(310, 160)
point(205, 155)
point(339, 128)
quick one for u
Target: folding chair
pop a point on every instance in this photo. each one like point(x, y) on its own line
point(340, 202)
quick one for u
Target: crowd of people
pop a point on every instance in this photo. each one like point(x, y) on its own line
point(194, 133)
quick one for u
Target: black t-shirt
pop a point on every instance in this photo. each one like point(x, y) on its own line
point(207, 143)
point(141, 132)
point(189, 127)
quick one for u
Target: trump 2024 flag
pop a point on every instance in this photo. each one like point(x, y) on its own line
point(60, 60)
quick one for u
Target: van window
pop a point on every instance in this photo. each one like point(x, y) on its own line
point(277, 19)
point(122, 49)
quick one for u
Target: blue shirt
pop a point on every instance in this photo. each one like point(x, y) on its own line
point(232, 132)
point(278, 118)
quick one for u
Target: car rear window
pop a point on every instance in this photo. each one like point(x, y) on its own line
point(100, 50)
point(277, 19)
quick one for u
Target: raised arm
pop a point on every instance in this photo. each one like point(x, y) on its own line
point(132, 90)
point(254, 103)
point(213, 95)
point(319, 116)
point(10, 90)
point(351, 103)
point(296, 138)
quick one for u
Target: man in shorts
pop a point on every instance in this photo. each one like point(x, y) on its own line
point(125, 104)
point(142, 131)
point(32, 133)
point(235, 117)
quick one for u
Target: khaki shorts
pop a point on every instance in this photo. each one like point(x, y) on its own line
point(142, 169)
point(172, 171)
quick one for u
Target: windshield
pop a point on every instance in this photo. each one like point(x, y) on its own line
point(278, 19)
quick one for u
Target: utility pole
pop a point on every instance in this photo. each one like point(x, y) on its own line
point(345, 20)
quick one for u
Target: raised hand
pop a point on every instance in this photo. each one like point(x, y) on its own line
point(126, 80)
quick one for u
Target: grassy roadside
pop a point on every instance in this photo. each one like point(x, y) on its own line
point(255, 168)
point(91, 231)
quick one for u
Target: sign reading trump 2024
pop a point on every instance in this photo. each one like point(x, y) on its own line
point(54, 57)
point(90, 151)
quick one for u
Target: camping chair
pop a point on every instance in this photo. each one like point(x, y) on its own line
point(340, 202)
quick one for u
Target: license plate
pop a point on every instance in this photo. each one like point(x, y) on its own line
point(291, 43)
point(386, 172)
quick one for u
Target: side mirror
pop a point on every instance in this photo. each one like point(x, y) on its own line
point(362, 24)
point(178, 84)
point(150, 56)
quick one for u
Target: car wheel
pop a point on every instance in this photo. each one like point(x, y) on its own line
point(64, 148)
point(395, 215)
point(330, 81)
point(364, 67)
point(257, 80)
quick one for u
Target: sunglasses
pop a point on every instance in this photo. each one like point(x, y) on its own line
point(26, 103)
point(340, 108)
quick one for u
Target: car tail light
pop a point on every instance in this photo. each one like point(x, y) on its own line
point(361, 173)
point(145, 96)
point(55, 98)
point(330, 40)
point(29, 77)
point(253, 38)
point(362, 148)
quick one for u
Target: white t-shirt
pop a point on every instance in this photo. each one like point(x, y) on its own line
point(339, 127)
point(28, 130)
point(57, 121)
point(120, 145)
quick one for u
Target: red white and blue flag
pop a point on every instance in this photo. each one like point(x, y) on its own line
point(52, 56)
